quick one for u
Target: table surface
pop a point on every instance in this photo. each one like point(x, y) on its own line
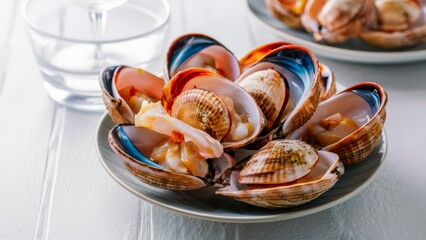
point(53, 186)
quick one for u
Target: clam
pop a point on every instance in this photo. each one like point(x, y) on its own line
point(284, 173)
point(349, 123)
point(269, 90)
point(335, 21)
point(300, 72)
point(208, 101)
point(124, 88)
point(287, 11)
point(166, 153)
point(198, 50)
point(328, 81)
point(400, 23)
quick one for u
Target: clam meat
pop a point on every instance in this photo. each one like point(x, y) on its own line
point(349, 123)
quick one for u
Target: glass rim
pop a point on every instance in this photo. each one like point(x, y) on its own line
point(33, 27)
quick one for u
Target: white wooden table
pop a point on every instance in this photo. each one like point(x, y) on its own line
point(52, 185)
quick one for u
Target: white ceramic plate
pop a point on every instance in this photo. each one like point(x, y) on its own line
point(205, 204)
point(353, 51)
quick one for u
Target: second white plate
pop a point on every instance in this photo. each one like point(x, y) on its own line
point(353, 50)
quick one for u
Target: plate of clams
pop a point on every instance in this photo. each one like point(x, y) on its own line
point(365, 31)
point(263, 138)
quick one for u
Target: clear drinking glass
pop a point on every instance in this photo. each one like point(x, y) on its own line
point(71, 50)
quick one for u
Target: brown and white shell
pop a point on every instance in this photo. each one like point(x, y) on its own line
point(199, 50)
point(364, 103)
point(117, 81)
point(324, 176)
point(133, 145)
point(300, 68)
point(279, 161)
point(207, 80)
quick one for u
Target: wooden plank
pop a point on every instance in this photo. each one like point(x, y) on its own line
point(87, 202)
point(27, 115)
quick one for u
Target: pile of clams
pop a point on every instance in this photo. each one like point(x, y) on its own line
point(184, 131)
point(381, 23)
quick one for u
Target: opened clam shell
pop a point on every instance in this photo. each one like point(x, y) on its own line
point(199, 50)
point(229, 92)
point(124, 88)
point(300, 68)
point(365, 104)
point(134, 145)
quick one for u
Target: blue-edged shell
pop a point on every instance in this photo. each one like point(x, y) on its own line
point(198, 50)
point(133, 145)
point(118, 82)
point(364, 103)
point(301, 69)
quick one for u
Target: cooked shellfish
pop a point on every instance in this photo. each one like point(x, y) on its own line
point(335, 21)
point(301, 72)
point(400, 23)
point(124, 88)
point(366, 109)
point(199, 50)
point(246, 118)
point(166, 153)
point(323, 175)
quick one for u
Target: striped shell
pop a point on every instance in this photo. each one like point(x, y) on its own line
point(116, 79)
point(323, 177)
point(269, 90)
point(301, 69)
point(210, 81)
point(365, 103)
point(203, 110)
point(133, 145)
point(199, 50)
point(279, 161)
point(328, 83)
